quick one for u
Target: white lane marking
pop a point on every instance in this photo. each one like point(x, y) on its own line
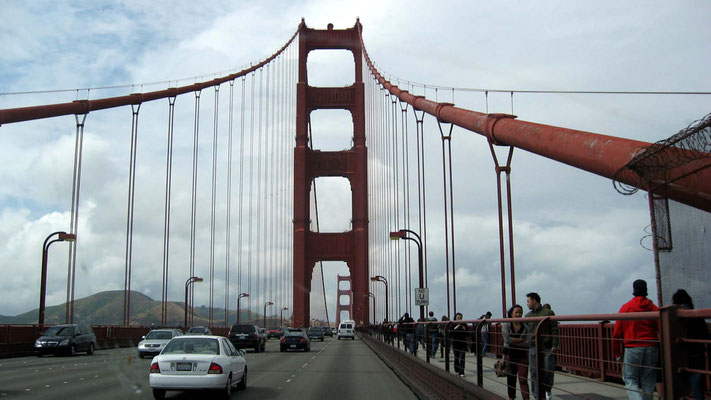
point(288, 380)
point(46, 386)
point(28, 390)
point(279, 388)
point(64, 382)
point(81, 379)
point(304, 366)
point(314, 356)
point(96, 376)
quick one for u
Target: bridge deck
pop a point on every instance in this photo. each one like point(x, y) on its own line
point(333, 369)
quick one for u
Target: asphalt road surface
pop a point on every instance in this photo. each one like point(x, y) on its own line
point(333, 369)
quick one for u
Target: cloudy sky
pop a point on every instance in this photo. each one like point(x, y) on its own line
point(577, 240)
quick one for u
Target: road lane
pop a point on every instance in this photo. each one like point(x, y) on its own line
point(336, 369)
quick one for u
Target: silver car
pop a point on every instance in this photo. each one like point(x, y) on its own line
point(155, 340)
point(198, 363)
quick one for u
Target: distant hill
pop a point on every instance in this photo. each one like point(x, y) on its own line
point(106, 308)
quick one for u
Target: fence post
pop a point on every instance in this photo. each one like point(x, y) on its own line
point(675, 383)
point(478, 352)
point(446, 346)
point(602, 356)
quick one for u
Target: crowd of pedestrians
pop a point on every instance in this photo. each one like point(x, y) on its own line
point(635, 344)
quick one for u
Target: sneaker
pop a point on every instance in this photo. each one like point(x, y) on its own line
point(548, 396)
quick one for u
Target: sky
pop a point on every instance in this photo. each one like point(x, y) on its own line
point(578, 242)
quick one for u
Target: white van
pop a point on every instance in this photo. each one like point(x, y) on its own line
point(346, 330)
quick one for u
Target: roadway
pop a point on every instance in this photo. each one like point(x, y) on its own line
point(333, 369)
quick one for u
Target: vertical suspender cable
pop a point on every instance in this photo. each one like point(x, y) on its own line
point(166, 212)
point(241, 192)
point(257, 199)
point(74, 223)
point(216, 113)
point(196, 132)
point(228, 231)
point(265, 180)
point(129, 216)
point(250, 199)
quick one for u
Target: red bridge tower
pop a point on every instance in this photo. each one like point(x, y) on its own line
point(352, 246)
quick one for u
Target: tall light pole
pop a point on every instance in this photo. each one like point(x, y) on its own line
point(238, 299)
point(190, 280)
point(380, 278)
point(269, 303)
point(281, 316)
point(370, 294)
point(402, 234)
point(61, 237)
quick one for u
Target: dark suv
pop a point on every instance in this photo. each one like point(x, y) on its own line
point(243, 336)
point(315, 332)
point(67, 339)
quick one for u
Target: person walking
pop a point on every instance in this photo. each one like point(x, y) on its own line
point(641, 352)
point(409, 330)
point(433, 333)
point(548, 346)
point(516, 344)
point(485, 333)
point(459, 335)
point(695, 329)
point(442, 344)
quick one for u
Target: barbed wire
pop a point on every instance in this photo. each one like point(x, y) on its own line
point(652, 163)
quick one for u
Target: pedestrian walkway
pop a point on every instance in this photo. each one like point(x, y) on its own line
point(567, 386)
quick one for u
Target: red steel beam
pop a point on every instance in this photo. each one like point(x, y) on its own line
point(20, 114)
point(600, 154)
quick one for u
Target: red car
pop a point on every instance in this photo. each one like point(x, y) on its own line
point(275, 332)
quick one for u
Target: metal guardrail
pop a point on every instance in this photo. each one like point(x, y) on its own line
point(585, 347)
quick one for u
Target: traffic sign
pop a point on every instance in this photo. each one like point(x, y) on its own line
point(422, 296)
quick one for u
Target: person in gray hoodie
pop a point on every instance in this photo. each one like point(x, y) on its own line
point(548, 346)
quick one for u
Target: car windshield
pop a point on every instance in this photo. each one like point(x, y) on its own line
point(243, 329)
point(197, 330)
point(192, 346)
point(159, 335)
point(60, 331)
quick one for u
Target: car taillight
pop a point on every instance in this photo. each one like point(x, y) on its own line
point(214, 369)
point(283, 339)
point(155, 369)
point(256, 336)
point(303, 340)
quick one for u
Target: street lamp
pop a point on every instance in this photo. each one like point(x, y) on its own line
point(238, 299)
point(370, 294)
point(190, 280)
point(380, 278)
point(402, 234)
point(269, 303)
point(281, 316)
point(61, 237)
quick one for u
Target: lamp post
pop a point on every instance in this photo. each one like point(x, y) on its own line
point(190, 280)
point(269, 303)
point(370, 294)
point(61, 237)
point(402, 234)
point(238, 299)
point(380, 278)
point(281, 316)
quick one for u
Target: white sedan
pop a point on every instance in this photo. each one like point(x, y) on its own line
point(196, 363)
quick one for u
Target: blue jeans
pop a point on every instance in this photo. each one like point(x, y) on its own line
point(639, 372)
point(435, 342)
point(485, 339)
point(547, 374)
point(697, 386)
point(411, 343)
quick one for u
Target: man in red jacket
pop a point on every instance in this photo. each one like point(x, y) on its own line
point(639, 370)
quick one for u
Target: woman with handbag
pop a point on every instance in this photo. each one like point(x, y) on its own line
point(516, 344)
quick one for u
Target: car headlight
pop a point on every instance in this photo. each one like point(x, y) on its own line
point(64, 342)
point(141, 345)
point(38, 343)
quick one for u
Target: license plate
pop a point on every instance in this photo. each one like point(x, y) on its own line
point(293, 346)
point(183, 366)
point(242, 336)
